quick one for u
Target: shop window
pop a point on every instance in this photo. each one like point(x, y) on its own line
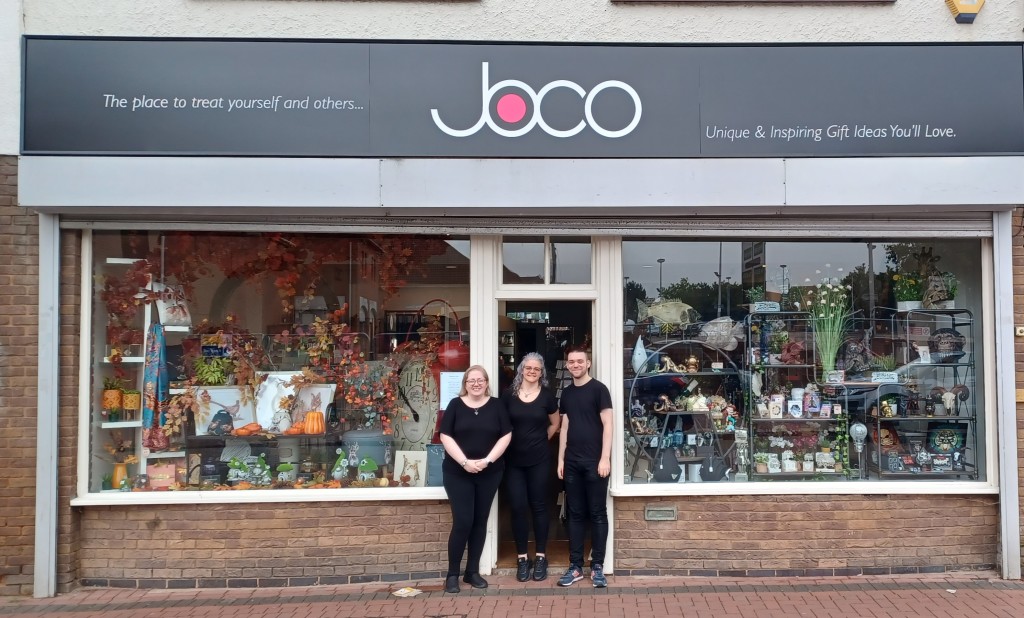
point(803, 361)
point(546, 259)
point(273, 361)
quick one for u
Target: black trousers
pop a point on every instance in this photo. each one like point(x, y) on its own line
point(527, 488)
point(470, 497)
point(586, 493)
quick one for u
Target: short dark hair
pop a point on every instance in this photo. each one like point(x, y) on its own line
point(577, 348)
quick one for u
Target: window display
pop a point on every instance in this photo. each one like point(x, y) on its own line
point(259, 361)
point(803, 361)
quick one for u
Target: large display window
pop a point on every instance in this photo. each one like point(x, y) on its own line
point(235, 361)
point(803, 361)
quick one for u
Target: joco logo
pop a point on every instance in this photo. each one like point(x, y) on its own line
point(512, 108)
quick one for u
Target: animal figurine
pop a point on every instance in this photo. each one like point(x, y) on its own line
point(670, 312)
point(855, 356)
point(723, 333)
point(281, 421)
point(668, 366)
point(641, 357)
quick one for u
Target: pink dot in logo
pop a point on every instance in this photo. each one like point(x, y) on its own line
point(511, 108)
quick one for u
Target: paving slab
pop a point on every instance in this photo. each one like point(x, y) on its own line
point(973, 594)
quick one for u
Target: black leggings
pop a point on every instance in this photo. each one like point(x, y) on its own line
point(470, 497)
point(527, 493)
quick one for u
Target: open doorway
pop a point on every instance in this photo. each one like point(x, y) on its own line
point(548, 328)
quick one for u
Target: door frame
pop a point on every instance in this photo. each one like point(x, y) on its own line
point(605, 292)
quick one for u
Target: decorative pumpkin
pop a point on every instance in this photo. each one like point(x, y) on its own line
point(315, 422)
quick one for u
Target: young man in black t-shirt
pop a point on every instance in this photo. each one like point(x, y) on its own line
point(584, 462)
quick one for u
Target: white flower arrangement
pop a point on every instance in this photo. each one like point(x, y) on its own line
point(831, 310)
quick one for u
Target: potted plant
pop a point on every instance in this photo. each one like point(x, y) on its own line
point(907, 289)
point(951, 288)
point(831, 313)
point(108, 482)
point(112, 398)
point(131, 403)
point(212, 370)
point(761, 463)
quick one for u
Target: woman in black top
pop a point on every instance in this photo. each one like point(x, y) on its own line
point(533, 411)
point(475, 431)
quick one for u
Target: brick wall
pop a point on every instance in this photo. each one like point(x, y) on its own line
point(808, 535)
point(263, 544)
point(18, 317)
point(1018, 318)
point(68, 519)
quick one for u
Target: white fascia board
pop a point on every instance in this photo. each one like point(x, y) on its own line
point(905, 180)
point(207, 186)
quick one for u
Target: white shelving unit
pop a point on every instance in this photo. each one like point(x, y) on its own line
point(134, 367)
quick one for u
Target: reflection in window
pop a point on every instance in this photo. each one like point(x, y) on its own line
point(731, 377)
point(537, 259)
point(291, 360)
point(570, 260)
point(523, 259)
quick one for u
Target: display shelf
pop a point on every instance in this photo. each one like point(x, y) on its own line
point(933, 413)
point(127, 360)
point(660, 404)
point(121, 424)
point(783, 364)
point(164, 454)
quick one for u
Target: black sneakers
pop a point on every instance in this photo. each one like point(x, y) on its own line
point(540, 569)
point(523, 569)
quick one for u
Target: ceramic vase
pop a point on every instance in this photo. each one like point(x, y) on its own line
point(120, 474)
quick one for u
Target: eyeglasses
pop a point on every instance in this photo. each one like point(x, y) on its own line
point(476, 382)
point(532, 369)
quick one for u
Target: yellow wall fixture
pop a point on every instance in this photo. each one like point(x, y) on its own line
point(965, 10)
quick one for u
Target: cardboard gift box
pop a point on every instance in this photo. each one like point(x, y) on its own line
point(164, 472)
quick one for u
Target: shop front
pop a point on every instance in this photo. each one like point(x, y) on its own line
point(283, 255)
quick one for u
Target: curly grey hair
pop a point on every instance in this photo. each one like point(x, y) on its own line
point(518, 380)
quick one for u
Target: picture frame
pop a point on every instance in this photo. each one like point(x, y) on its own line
point(171, 305)
point(825, 411)
point(273, 389)
point(411, 464)
point(220, 409)
point(795, 408)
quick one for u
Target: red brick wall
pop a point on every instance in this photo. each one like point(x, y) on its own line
point(813, 534)
point(1018, 319)
point(18, 317)
point(263, 544)
point(68, 519)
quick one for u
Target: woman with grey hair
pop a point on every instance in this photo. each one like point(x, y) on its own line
point(533, 410)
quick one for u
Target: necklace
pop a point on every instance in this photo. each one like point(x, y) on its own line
point(476, 409)
point(526, 396)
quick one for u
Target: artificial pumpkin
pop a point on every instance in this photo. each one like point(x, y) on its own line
point(315, 422)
